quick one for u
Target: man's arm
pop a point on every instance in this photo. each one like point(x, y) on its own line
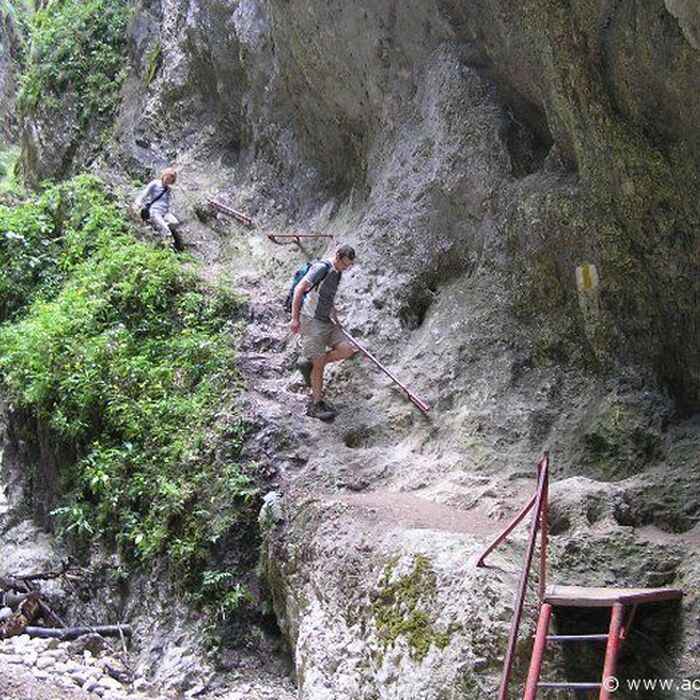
point(302, 288)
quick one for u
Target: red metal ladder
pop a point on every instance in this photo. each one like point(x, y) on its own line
point(623, 603)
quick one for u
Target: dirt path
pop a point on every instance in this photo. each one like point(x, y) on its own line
point(407, 511)
point(368, 449)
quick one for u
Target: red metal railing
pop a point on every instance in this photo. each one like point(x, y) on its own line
point(539, 523)
point(231, 212)
point(298, 236)
point(422, 405)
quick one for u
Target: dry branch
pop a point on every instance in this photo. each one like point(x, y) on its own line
point(74, 632)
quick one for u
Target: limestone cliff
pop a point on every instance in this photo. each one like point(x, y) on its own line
point(520, 179)
point(10, 57)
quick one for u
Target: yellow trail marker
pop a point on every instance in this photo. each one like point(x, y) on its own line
point(587, 277)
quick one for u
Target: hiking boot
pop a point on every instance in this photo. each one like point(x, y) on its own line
point(330, 406)
point(321, 411)
point(306, 367)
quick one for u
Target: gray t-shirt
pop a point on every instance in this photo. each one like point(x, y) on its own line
point(154, 188)
point(318, 303)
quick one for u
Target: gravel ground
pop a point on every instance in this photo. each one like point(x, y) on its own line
point(18, 683)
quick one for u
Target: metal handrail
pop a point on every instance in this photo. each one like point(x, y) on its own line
point(539, 522)
point(422, 405)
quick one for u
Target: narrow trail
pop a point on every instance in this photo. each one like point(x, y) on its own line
point(358, 452)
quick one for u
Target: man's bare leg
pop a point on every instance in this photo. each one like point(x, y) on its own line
point(319, 364)
point(342, 351)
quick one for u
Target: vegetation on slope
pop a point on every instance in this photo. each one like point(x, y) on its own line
point(79, 47)
point(118, 348)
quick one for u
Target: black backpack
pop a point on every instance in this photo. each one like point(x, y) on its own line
point(299, 276)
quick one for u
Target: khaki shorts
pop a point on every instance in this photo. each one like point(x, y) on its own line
point(318, 336)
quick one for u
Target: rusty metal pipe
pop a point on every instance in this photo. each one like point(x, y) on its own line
point(540, 504)
point(300, 235)
point(231, 212)
point(422, 405)
point(533, 675)
point(514, 523)
point(614, 635)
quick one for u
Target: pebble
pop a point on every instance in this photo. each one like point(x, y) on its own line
point(50, 659)
point(110, 683)
point(89, 685)
point(141, 685)
point(79, 675)
point(44, 662)
point(54, 653)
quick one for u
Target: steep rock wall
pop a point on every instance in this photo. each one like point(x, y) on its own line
point(594, 105)
point(475, 154)
point(9, 69)
point(32, 463)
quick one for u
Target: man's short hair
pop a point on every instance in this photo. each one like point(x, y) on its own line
point(168, 171)
point(345, 251)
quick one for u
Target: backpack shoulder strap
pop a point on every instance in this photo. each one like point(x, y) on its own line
point(328, 265)
point(155, 199)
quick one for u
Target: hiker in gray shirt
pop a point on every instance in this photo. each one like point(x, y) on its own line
point(314, 315)
point(154, 205)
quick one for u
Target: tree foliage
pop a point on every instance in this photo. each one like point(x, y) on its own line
point(81, 48)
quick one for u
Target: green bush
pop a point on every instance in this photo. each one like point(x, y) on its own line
point(30, 240)
point(79, 47)
point(117, 347)
point(8, 170)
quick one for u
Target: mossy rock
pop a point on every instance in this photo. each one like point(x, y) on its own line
point(620, 441)
point(403, 607)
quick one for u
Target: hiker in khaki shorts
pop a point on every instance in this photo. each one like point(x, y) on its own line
point(314, 315)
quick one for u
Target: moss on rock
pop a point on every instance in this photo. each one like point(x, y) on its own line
point(402, 607)
point(620, 441)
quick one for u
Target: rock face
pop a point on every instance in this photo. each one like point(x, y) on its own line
point(31, 464)
point(70, 83)
point(9, 58)
point(688, 16)
point(542, 123)
point(520, 180)
point(374, 615)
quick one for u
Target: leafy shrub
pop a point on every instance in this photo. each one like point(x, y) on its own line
point(120, 350)
point(30, 239)
point(8, 170)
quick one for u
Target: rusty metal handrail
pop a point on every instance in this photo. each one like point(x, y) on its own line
point(422, 405)
point(539, 522)
point(231, 212)
point(298, 236)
